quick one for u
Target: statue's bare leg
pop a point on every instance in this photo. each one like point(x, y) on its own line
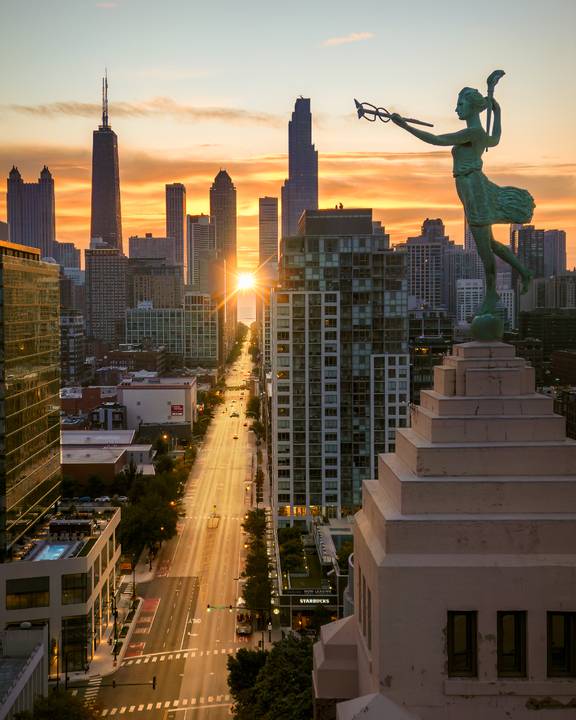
point(483, 238)
point(504, 252)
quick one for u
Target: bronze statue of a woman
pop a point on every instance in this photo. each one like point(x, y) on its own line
point(485, 203)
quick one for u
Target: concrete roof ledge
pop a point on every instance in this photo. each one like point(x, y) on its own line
point(339, 633)
point(372, 707)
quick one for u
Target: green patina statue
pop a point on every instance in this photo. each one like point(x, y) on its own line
point(485, 203)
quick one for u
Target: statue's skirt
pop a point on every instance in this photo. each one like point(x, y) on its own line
point(485, 203)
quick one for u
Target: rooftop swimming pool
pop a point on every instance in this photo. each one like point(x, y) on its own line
point(53, 551)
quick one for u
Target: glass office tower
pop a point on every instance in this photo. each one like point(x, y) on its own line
point(29, 386)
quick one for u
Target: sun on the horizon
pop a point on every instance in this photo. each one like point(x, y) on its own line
point(246, 281)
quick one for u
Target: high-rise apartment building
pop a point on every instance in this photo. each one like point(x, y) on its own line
point(192, 334)
point(470, 295)
point(201, 243)
point(72, 347)
point(543, 252)
point(427, 266)
point(29, 403)
point(31, 211)
point(268, 238)
point(106, 219)
point(67, 255)
point(162, 248)
point(300, 190)
point(106, 297)
point(154, 282)
point(340, 367)
point(176, 221)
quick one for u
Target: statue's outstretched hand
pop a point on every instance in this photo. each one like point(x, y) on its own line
point(398, 120)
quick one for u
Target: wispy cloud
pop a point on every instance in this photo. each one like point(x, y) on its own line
point(106, 5)
point(150, 108)
point(347, 39)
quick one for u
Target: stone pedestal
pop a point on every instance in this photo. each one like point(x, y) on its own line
point(476, 510)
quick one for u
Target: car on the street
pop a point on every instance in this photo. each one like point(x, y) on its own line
point(85, 499)
point(234, 414)
point(122, 498)
point(235, 437)
point(103, 499)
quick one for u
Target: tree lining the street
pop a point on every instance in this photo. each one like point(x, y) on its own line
point(254, 346)
point(280, 688)
point(235, 352)
point(258, 586)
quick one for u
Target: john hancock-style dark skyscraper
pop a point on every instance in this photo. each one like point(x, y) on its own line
point(106, 218)
point(300, 191)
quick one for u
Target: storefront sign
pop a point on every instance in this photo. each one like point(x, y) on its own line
point(313, 601)
point(177, 410)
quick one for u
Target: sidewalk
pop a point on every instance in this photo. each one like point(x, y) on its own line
point(102, 663)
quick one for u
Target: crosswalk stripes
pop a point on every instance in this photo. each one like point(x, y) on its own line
point(167, 656)
point(167, 704)
point(92, 689)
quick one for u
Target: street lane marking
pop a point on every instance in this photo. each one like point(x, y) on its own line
point(132, 708)
point(140, 707)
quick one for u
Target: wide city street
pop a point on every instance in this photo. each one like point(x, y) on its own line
point(176, 638)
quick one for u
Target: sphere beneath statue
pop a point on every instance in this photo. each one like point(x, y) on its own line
point(487, 328)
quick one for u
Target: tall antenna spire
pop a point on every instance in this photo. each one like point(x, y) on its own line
point(105, 99)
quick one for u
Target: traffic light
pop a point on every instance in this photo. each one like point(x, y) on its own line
point(113, 683)
point(154, 682)
point(230, 608)
point(208, 608)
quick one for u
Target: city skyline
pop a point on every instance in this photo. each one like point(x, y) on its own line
point(180, 119)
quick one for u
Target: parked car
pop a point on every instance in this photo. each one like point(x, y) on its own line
point(234, 414)
point(122, 498)
point(85, 499)
point(103, 499)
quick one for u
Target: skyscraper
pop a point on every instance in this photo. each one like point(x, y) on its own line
point(268, 237)
point(29, 403)
point(31, 211)
point(106, 296)
point(223, 214)
point(340, 364)
point(427, 267)
point(106, 222)
point(300, 190)
point(201, 251)
point(175, 221)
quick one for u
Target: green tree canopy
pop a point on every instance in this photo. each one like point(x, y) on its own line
point(282, 689)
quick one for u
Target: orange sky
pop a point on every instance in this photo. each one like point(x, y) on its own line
point(403, 188)
point(215, 89)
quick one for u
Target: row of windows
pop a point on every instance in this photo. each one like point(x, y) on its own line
point(462, 644)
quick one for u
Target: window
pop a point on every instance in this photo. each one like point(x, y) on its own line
point(511, 644)
point(75, 588)
point(26, 593)
point(562, 644)
point(462, 643)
